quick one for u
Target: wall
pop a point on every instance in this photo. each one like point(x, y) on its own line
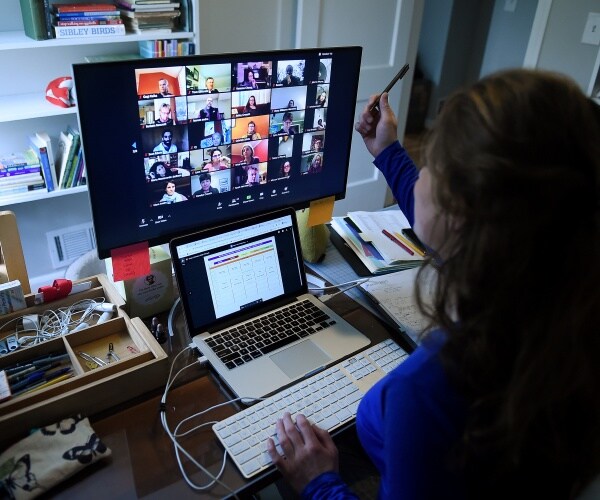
point(508, 36)
point(453, 37)
point(561, 48)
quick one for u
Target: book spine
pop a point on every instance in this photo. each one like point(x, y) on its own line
point(46, 169)
point(90, 14)
point(34, 20)
point(23, 188)
point(15, 172)
point(45, 138)
point(76, 7)
point(88, 23)
point(73, 168)
point(79, 171)
point(91, 31)
point(48, 19)
point(24, 179)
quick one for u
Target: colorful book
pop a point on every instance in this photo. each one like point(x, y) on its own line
point(73, 168)
point(77, 7)
point(15, 180)
point(65, 143)
point(79, 170)
point(18, 171)
point(85, 14)
point(89, 31)
point(45, 138)
point(41, 151)
point(90, 22)
point(22, 189)
point(74, 134)
point(18, 159)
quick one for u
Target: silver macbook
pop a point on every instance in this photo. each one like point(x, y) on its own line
point(244, 293)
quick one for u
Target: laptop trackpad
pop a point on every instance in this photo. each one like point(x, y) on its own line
point(300, 359)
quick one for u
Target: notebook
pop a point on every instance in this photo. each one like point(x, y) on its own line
point(244, 293)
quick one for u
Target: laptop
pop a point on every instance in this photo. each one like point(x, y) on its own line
point(246, 303)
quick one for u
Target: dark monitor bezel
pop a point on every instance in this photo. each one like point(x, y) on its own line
point(101, 190)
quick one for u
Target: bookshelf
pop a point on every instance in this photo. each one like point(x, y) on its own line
point(27, 67)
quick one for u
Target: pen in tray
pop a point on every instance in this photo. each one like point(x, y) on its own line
point(37, 378)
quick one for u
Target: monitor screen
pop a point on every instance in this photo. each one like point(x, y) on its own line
point(177, 144)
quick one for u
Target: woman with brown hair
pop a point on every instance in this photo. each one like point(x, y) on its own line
point(501, 398)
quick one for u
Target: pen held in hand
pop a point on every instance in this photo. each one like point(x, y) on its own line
point(399, 76)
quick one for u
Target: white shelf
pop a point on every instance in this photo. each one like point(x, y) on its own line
point(40, 194)
point(27, 106)
point(11, 40)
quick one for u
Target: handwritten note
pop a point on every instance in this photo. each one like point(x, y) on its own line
point(130, 261)
point(395, 294)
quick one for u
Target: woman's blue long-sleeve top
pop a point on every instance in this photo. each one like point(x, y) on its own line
point(409, 420)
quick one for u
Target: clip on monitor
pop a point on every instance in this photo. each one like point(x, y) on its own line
point(177, 144)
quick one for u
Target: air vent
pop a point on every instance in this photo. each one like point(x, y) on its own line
point(68, 243)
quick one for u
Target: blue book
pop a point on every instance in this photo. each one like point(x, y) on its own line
point(39, 148)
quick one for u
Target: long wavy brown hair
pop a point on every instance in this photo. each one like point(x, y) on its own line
point(515, 162)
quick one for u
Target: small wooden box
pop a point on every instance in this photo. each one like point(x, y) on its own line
point(141, 367)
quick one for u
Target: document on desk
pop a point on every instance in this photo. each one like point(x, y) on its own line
point(374, 225)
point(394, 295)
point(375, 239)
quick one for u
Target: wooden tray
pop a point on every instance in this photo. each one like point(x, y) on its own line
point(141, 367)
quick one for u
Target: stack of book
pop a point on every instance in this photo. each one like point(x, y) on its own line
point(166, 48)
point(156, 16)
point(20, 173)
point(70, 162)
point(72, 20)
point(375, 240)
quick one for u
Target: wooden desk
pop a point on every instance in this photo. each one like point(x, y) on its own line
point(143, 461)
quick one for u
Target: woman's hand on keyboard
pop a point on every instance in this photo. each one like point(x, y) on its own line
point(308, 451)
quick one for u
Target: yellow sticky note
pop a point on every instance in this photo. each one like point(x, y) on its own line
point(320, 211)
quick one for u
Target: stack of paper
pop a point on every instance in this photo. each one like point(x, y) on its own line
point(376, 239)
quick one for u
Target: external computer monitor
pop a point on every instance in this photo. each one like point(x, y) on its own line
point(178, 144)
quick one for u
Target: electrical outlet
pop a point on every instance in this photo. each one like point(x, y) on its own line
point(591, 32)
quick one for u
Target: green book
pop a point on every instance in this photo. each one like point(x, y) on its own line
point(74, 135)
point(34, 19)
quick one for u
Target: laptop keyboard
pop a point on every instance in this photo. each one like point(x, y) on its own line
point(263, 335)
point(329, 399)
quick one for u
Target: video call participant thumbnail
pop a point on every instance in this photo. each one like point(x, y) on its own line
point(288, 123)
point(164, 140)
point(171, 191)
point(252, 75)
point(290, 73)
point(281, 169)
point(312, 164)
point(160, 82)
point(250, 128)
point(208, 78)
point(282, 146)
point(206, 188)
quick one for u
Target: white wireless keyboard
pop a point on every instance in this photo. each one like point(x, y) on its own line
point(329, 399)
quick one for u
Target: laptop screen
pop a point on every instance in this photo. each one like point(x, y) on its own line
point(226, 272)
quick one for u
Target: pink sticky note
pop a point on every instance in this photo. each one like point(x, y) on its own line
point(130, 261)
